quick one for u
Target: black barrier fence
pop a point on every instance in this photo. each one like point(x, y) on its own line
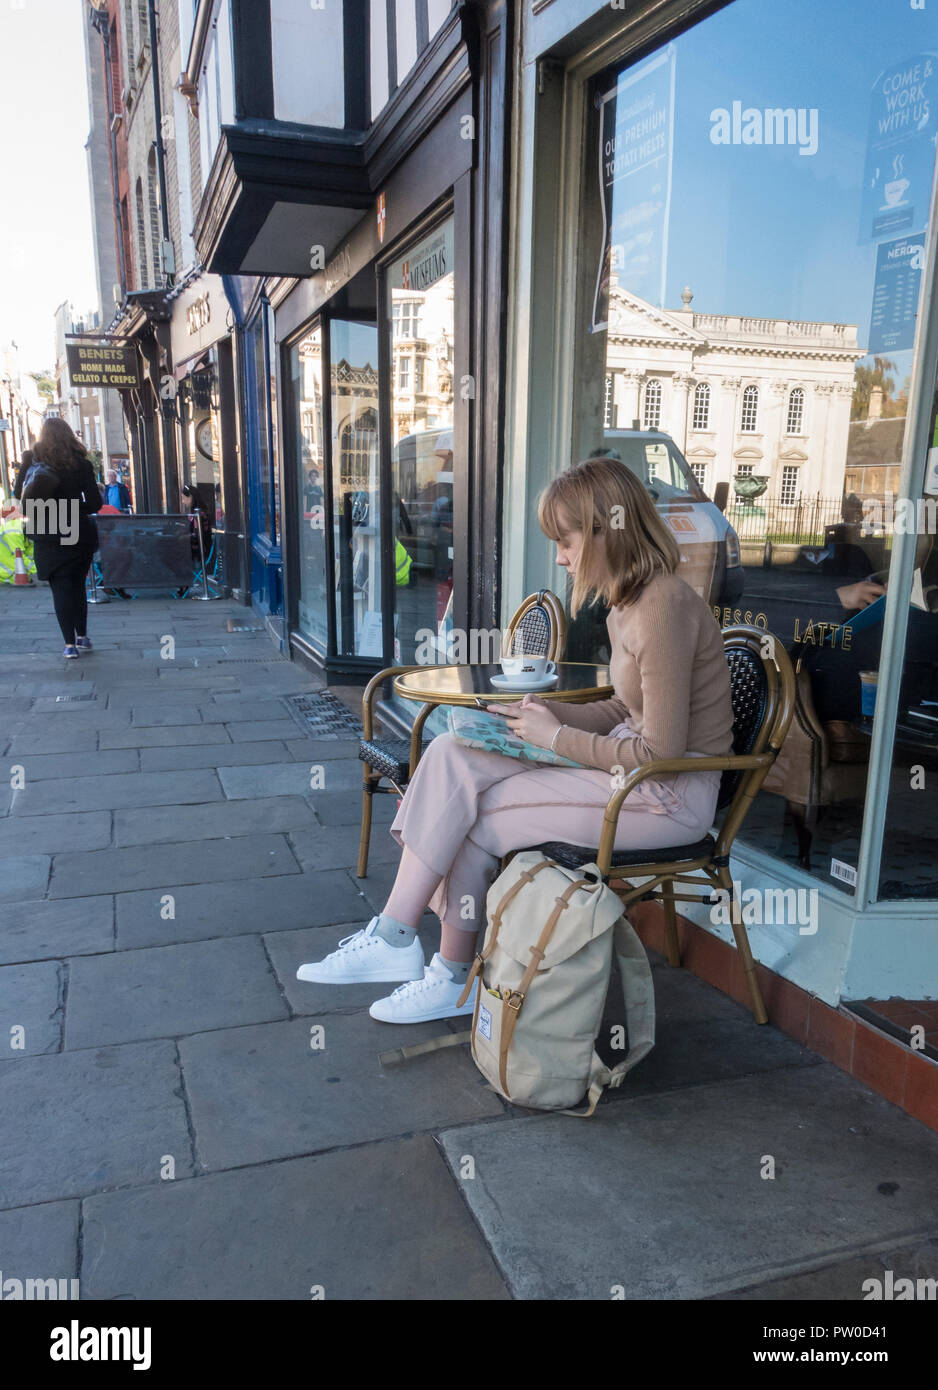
point(146, 551)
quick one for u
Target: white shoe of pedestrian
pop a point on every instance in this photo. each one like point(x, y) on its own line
point(419, 1001)
point(364, 957)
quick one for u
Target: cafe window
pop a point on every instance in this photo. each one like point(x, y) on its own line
point(353, 352)
point(304, 370)
point(423, 461)
point(795, 411)
point(779, 294)
point(701, 406)
point(653, 405)
point(750, 413)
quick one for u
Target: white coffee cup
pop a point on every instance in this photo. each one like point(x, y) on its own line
point(527, 669)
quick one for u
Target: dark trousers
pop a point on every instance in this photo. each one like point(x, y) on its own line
point(67, 583)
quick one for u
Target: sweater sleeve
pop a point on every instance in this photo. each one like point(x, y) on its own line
point(663, 647)
point(599, 716)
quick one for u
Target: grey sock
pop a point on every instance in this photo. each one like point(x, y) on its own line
point(459, 969)
point(393, 932)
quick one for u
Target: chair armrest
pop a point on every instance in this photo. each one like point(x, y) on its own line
point(371, 689)
point(730, 763)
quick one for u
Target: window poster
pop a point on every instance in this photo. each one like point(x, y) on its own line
point(636, 134)
point(900, 149)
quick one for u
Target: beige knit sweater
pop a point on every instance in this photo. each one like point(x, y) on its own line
point(671, 680)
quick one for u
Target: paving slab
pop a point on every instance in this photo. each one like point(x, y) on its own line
point(31, 1003)
point(264, 1092)
point(212, 820)
point(52, 834)
point(233, 909)
point(384, 1221)
point(45, 766)
point(72, 718)
point(211, 755)
point(40, 1242)
point(165, 991)
point(82, 1122)
point(155, 716)
point(303, 749)
point(345, 808)
point(851, 1279)
point(664, 1196)
point(24, 876)
point(701, 1036)
point(253, 730)
point(177, 736)
point(240, 709)
point(288, 950)
point(51, 738)
point(338, 844)
point(295, 778)
point(47, 930)
point(118, 790)
point(153, 866)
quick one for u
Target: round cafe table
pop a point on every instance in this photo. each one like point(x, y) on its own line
point(460, 685)
point(578, 681)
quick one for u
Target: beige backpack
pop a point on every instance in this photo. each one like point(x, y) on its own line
point(544, 970)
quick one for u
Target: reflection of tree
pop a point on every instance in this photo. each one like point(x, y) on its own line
point(866, 379)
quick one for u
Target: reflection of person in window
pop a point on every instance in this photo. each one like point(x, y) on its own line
point(312, 492)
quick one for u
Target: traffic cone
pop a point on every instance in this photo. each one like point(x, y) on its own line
point(20, 576)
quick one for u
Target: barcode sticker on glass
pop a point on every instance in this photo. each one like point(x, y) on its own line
point(845, 872)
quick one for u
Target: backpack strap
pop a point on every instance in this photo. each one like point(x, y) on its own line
point(526, 876)
point(638, 994)
point(514, 998)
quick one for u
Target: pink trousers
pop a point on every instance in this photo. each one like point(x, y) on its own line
point(466, 807)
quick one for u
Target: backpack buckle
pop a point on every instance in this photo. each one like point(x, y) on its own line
point(510, 998)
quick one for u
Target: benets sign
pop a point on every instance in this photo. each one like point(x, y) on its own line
point(96, 364)
point(198, 314)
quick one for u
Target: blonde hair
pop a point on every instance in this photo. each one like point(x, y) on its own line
point(625, 542)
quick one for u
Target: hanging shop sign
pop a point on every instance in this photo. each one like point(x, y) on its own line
point(900, 148)
point(422, 265)
point(93, 363)
point(636, 136)
point(198, 314)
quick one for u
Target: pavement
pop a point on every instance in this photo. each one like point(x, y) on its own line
point(181, 1118)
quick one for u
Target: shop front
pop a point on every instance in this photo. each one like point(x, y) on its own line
point(206, 412)
point(735, 231)
point(376, 432)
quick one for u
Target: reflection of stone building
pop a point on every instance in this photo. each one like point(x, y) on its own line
point(422, 357)
point(355, 423)
point(874, 456)
point(738, 395)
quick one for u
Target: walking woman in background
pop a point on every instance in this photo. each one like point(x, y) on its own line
point(64, 536)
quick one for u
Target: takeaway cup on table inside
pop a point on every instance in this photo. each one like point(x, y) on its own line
point(868, 685)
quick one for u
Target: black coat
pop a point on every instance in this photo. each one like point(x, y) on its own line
point(52, 550)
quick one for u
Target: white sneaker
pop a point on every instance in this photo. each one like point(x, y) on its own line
point(421, 1000)
point(365, 956)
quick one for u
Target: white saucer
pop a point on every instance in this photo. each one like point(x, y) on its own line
point(505, 683)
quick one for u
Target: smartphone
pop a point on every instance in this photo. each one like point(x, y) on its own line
point(482, 703)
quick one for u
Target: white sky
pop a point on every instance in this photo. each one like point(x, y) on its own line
point(46, 248)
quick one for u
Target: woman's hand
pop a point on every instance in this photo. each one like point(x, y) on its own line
point(531, 719)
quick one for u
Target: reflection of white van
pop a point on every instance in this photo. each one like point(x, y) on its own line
point(709, 545)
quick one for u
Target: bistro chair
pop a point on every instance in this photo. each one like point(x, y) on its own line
point(763, 694)
point(538, 627)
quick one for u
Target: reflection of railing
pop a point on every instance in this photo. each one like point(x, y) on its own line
point(803, 521)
